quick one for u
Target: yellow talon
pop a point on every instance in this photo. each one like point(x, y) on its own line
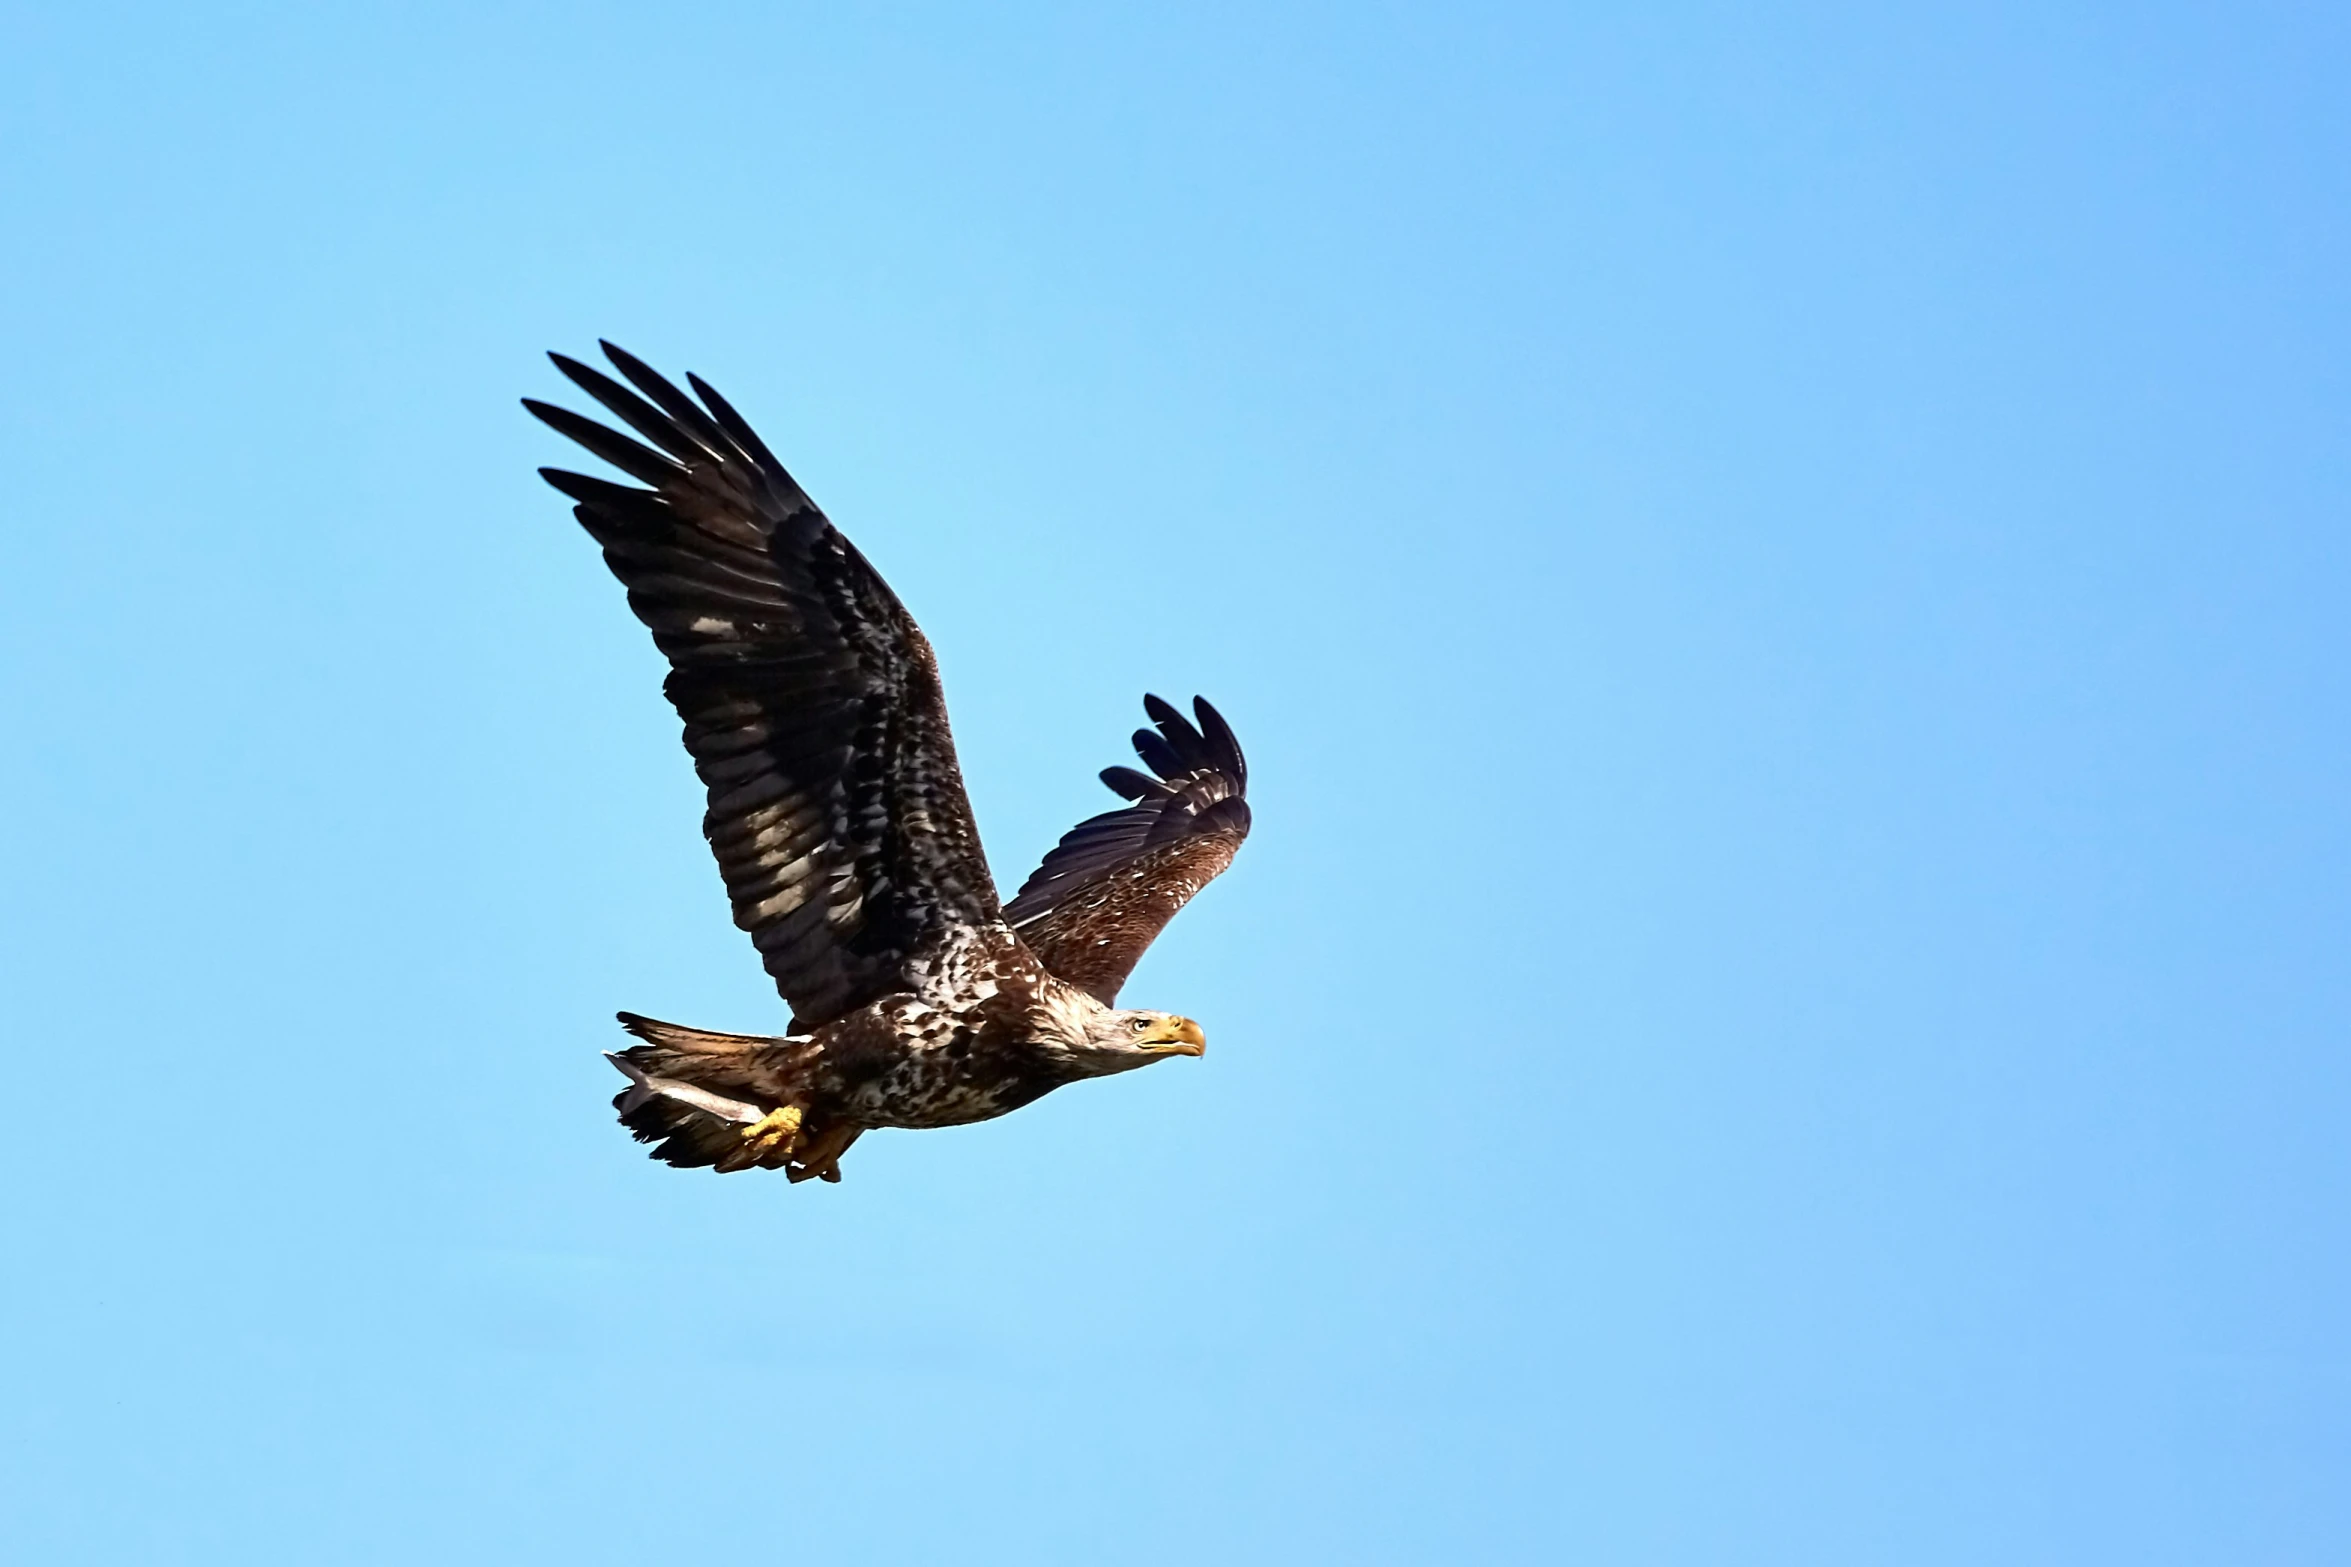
point(774, 1135)
point(779, 1126)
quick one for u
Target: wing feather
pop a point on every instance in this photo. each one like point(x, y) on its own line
point(810, 699)
point(1115, 880)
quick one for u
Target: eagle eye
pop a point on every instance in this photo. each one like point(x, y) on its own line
point(1141, 1024)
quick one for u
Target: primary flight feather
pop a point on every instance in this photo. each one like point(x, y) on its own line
point(815, 718)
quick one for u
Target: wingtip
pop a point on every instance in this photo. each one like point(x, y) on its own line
point(1223, 741)
point(739, 428)
point(1129, 784)
point(629, 364)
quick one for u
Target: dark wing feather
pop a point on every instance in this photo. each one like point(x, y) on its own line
point(811, 701)
point(1113, 882)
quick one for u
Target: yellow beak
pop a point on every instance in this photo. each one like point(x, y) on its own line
point(1178, 1036)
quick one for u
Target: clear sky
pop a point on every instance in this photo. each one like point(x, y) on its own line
point(1785, 579)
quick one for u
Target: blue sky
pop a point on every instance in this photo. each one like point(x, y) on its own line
point(1784, 578)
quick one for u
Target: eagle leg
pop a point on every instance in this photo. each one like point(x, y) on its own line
point(769, 1140)
point(820, 1153)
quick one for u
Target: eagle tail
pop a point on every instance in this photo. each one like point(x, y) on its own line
point(691, 1092)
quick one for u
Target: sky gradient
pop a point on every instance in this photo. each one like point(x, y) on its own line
point(1784, 579)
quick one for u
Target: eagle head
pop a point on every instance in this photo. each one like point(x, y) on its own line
point(1119, 1041)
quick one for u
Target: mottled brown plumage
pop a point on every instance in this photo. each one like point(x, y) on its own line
point(814, 714)
point(1114, 881)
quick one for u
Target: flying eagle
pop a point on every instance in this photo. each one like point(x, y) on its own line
point(814, 716)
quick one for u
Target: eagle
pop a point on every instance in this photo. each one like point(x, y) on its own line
point(815, 718)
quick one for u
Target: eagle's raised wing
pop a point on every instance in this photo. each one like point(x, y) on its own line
point(811, 701)
point(1113, 882)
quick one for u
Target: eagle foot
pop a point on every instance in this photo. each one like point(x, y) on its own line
point(771, 1138)
point(819, 1154)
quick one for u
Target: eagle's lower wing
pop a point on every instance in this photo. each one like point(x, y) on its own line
point(1114, 881)
point(811, 701)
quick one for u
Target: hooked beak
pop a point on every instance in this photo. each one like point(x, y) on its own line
point(1177, 1037)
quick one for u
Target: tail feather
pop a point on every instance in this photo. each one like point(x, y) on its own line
point(681, 1135)
point(691, 1041)
point(692, 1091)
point(643, 1086)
